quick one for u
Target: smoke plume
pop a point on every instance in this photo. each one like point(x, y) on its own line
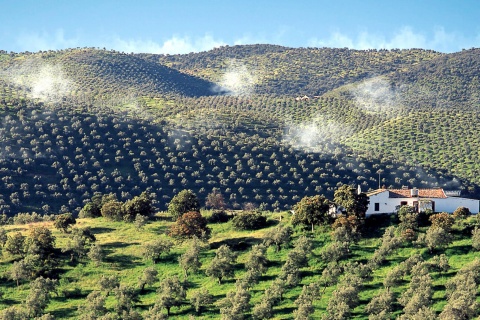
point(238, 80)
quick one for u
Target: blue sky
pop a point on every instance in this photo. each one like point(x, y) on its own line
point(182, 26)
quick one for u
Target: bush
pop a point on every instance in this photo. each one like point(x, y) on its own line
point(183, 202)
point(190, 225)
point(219, 216)
point(461, 213)
point(249, 221)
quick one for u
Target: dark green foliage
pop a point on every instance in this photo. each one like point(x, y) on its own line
point(249, 221)
point(63, 221)
point(408, 218)
point(311, 211)
point(219, 216)
point(15, 244)
point(113, 210)
point(183, 202)
point(350, 201)
point(139, 205)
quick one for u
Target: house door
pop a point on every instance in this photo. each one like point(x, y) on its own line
point(433, 206)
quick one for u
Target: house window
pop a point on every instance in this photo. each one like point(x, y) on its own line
point(403, 203)
point(377, 206)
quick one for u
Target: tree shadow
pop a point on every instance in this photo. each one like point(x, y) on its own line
point(122, 261)
point(99, 230)
point(118, 244)
point(236, 244)
point(63, 313)
point(458, 250)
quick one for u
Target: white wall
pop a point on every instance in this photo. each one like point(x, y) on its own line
point(389, 205)
point(451, 204)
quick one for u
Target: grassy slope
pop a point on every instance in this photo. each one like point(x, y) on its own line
point(123, 243)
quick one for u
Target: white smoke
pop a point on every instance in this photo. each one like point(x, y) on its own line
point(315, 134)
point(376, 95)
point(43, 81)
point(238, 80)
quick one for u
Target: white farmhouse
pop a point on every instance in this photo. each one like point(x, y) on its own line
point(388, 200)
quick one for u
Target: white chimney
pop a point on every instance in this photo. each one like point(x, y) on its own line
point(359, 190)
point(414, 192)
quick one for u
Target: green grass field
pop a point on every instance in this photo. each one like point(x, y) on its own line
point(123, 244)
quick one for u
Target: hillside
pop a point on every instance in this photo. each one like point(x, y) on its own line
point(295, 71)
point(368, 270)
point(97, 74)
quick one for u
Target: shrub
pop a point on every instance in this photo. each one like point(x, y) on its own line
point(461, 213)
point(249, 221)
point(183, 202)
point(191, 224)
point(219, 216)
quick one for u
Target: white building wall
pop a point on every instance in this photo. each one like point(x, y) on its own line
point(451, 204)
point(385, 204)
point(389, 205)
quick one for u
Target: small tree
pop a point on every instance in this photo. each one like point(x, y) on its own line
point(249, 221)
point(442, 220)
point(154, 250)
point(236, 304)
point(170, 293)
point(94, 307)
point(112, 210)
point(215, 200)
point(15, 244)
point(461, 213)
point(125, 297)
point(80, 241)
point(353, 204)
point(39, 295)
point(139, 205)
point(149, 277)
point(476, 238)
point(305, 300)
point(200, 299)
point(311, 211)
point(96, 253)
point(279, 236)
point(189, 225)
point(19, 271)
point(3, 237)
point(437, 237)
point(190, 260)
point(222, 264)
point(64, 221)
point(183, 202)
point(408, 218)
point(108, 283)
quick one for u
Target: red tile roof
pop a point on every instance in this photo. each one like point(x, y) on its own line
point(422, 193)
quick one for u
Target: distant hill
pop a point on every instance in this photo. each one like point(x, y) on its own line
point(297, 71)
point(101, 73)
